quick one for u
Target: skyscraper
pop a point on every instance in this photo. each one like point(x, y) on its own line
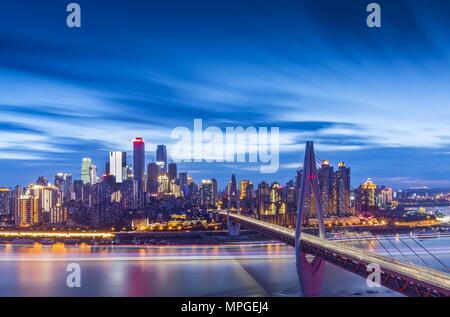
point(139, 162)
point(207, 194)
point(342, 190)
point(93, 176)
point(263, 198)
point(85, 170)
point(161, 158)
point(326, 177)
point(5, 201)
point(63, 182)
point(152, 178)
point(366, 196)
point(215, 190)
point(163, 184)
point(117, 165)
point(28, 211)
point(172, 171)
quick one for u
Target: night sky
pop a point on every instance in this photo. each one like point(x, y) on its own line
point(378, 99)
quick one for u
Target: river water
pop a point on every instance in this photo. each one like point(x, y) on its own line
point(250, 269)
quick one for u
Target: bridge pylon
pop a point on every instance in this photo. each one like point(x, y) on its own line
point(310, 273)
point(233, 228)
point(309, 187)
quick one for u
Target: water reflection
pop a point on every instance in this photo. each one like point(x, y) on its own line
point(255, 269)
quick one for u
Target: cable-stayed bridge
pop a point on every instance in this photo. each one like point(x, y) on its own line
point(406, 278)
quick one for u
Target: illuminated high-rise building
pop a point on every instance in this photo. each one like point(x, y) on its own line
point(366, 196)
point(326, 177)
point(85, 170)
point(385, 197)
point(215, 190)
point(63, 182)
point(93, 177)
point(275, 198)
point(139, 162)
point(28, 213)
point(161, 159)
point(5, 201)
point(58, 214)
point(118, 165)
point(163, 184)
point(342, 190)
point(207, 194)
point(263, 198)
point(243, 189)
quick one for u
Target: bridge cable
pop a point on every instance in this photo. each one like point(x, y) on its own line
point(443, 264)
point(400, 251)
point(373, 247)
point(382, 245)
point(425, 262)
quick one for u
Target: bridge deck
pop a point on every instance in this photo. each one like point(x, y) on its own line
point(423, 274)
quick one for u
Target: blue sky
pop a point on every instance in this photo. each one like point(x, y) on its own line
point(377, 99)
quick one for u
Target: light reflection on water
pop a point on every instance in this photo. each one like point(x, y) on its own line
point(257, 269)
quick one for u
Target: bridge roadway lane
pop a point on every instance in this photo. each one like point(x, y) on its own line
point(422, 274)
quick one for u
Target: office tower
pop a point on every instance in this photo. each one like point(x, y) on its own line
point(42, 180)
point(366, 196)
point(85, 170)
point(63, 182)
point(78, 190)
point(207, 194)
point(117, 165)
point(342, 190)
point(139, 162)
point(163, 184)
point(93, 178)
point(263, 198)
point(326, 177)
point(172, 171)
point(152, 178)
point(28, 211)
point(161, 159)
point(5, 201)
point(215, 190)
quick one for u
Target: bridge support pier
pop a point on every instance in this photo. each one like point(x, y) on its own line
point(310, 274)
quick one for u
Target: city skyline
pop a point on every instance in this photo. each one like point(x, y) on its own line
point(67, 94)
point(127, 160)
